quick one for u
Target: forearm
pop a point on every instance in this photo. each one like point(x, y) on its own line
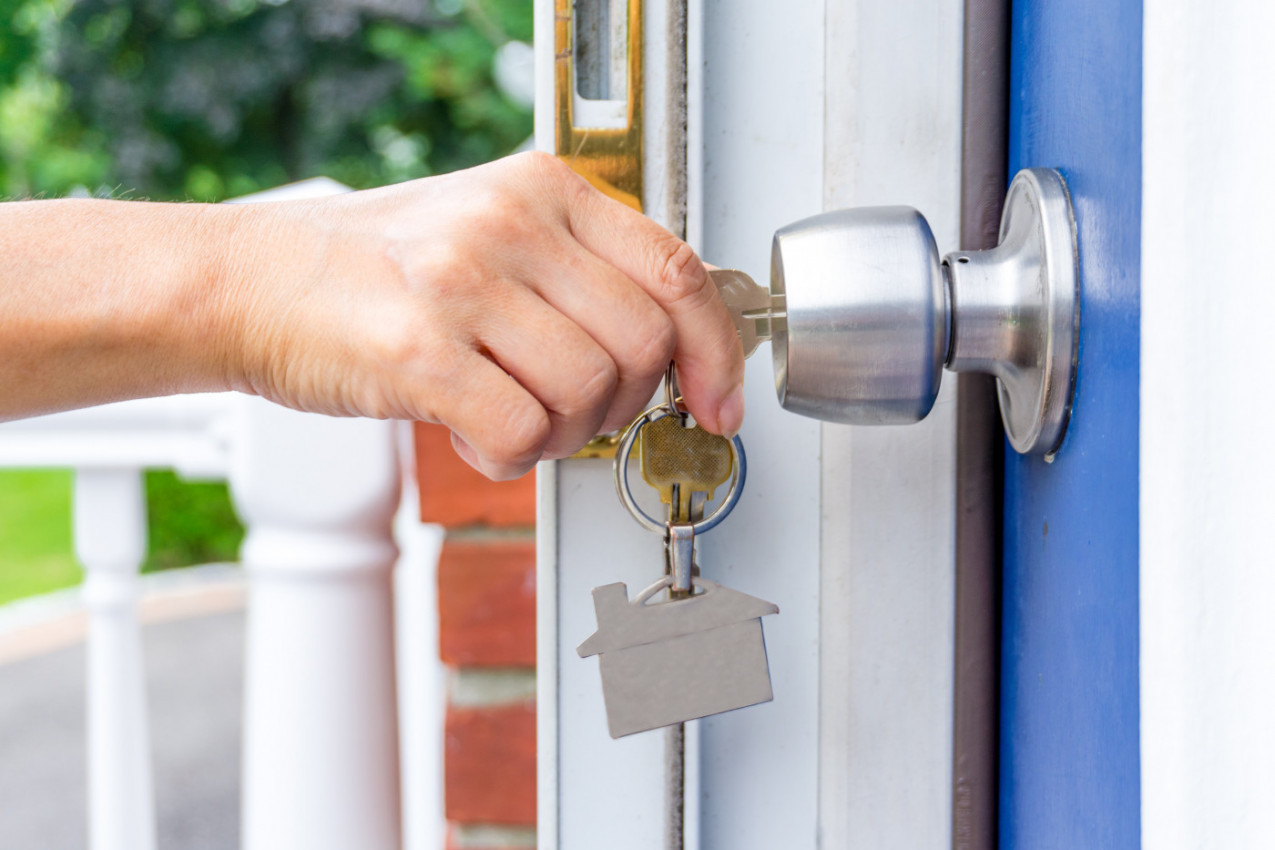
point(107, 300)
point(512, 303)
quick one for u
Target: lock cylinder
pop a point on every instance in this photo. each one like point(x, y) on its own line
point(866, 331)
point(874, 316)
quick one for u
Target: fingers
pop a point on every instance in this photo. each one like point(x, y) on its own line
point(501, 428)
point(562, 309)
point(638, 336)
point(709, 356)
point(572, 377)
point(544, 390)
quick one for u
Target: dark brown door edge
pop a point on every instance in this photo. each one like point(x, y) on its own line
point(980, 446)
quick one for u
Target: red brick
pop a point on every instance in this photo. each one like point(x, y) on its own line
point(487, 603)
point(455, 494)
point(490, 767)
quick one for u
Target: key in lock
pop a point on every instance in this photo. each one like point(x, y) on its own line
point(758, 315)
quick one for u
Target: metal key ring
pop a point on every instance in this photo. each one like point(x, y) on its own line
point(672, 392)
point(739, 462)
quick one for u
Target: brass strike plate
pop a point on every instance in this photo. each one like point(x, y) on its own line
point(608, 157)
point(603, 446)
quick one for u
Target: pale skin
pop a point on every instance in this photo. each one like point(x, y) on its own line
point(513, 303)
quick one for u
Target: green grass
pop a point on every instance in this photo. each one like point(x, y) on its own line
point(189, 523)
point(35, 533)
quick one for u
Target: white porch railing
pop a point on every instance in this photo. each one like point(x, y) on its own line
point(318, 497)
point(321, 751)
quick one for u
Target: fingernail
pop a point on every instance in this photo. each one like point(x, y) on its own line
point(465, 451)
point(730, 416)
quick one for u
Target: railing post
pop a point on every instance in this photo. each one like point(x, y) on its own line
point(318, 495)
point(422, 681)
point(110, 541)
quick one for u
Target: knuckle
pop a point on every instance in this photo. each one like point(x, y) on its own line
point(576, 189)
point(434, 272)
point(510, 221)
point(399, 343)
point(522, 438)
point(547, 169)
point(557, 178)
point(538, 162)
point(396, 348)
point(497, 207)
point(681, 276)
point(509, 212)
point(594, 389)
point(652, 346)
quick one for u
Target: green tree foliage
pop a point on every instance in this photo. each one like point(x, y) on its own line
point(17, 48)
point(188, 522)
point(204, 99)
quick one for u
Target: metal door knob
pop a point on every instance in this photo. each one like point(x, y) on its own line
point(873, 315)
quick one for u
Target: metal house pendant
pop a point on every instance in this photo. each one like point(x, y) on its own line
point(672, 661)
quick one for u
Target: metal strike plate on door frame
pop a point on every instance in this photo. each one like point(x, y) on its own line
point(874, 315)
point(608, 157)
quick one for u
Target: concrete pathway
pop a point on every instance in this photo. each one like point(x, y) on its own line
point(194, 664)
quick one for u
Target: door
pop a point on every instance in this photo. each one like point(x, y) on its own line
point(1069, 769)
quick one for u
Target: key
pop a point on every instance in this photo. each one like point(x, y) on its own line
point(680, 462)
point(700, 651)
point(757, 314)
point(685, 465)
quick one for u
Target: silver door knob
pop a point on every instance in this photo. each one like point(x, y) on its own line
point(873, 315)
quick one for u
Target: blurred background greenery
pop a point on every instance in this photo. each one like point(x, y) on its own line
point(202, 100)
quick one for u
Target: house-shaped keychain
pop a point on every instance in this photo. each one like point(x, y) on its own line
point(671, 661)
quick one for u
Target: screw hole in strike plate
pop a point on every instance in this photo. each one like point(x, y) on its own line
point(962, 259)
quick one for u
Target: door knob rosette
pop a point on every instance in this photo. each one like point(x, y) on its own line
point(873, 314)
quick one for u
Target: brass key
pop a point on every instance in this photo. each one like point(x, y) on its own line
point(680, 462)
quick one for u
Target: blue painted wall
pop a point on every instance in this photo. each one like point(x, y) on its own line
point(1069, 710)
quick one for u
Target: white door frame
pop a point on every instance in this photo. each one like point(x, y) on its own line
point(802, 107)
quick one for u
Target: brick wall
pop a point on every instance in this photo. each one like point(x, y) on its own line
point(487, 639)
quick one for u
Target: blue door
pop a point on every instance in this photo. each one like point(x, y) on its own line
point(1069, 696)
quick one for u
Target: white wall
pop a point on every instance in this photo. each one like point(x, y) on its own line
point(1207, 572)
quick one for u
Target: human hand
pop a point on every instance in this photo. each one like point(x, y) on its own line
point(512, 302)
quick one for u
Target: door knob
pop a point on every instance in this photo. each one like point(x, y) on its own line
point(873, 315)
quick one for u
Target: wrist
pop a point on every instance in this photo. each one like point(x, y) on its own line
point(107, 300)
point(194, 316)
point(268, 257)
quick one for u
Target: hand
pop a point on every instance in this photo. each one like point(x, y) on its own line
point(513, 303)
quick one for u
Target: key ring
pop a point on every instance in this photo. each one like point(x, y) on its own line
point(673, 393)
point(739, 463)
point(703, 585)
